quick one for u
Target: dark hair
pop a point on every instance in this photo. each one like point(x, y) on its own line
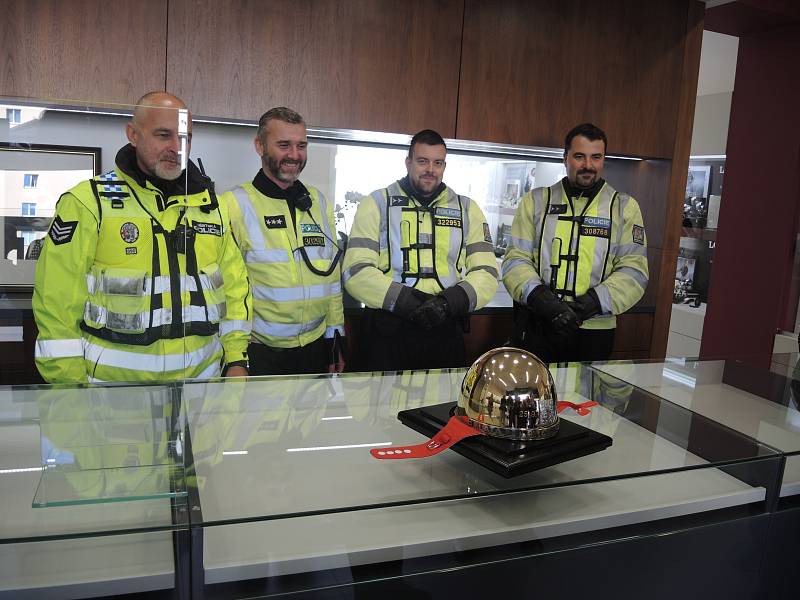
point(280, 113)
point(588, 130)
point(426, 136)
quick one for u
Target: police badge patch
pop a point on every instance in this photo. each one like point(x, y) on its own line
point(208, 228)
point(638, 235)
point(129, 232)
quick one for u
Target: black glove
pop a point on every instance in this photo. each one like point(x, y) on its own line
point(587, 305)
point(553, 311)
point(408, 300)
point(431, 313)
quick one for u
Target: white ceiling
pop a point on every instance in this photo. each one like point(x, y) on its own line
point(717, 63)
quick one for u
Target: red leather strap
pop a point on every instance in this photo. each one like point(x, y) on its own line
point(582, 409)
point(456, 429)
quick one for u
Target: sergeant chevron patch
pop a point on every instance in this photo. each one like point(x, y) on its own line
point(61, 232)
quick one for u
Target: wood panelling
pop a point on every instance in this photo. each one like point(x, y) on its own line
point(673, 217)
point(380, 65)
point(95, 50)
point(632, 339)
point(532, 70)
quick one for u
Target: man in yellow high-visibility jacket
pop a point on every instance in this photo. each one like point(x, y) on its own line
point(139, 278)
point(577, 257)
point(286, 233)
point(420, 257)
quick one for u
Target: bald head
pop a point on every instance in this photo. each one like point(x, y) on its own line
point(153, 132)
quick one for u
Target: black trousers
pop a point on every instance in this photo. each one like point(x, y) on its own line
point(390, 343)
point(586, 345)
point(311, 358)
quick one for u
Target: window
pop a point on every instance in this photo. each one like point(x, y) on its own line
point(31, 180)
point(29, 209)
point(14, 115)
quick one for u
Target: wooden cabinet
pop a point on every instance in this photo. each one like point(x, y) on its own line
point(82, 50)
point(530, 71)
point(379, 65)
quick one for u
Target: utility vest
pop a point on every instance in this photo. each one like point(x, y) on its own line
point(147, 284)
point(574, 244)
point(424, 242)
point(293, 267)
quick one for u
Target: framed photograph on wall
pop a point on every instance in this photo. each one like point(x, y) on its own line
point(697, 181)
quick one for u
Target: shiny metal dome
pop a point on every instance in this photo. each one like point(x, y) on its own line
point(509, 393)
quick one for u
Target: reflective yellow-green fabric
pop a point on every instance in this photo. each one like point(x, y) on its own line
point(448, 244)
point(293, 305)
point(108, 269)
point(605, 249)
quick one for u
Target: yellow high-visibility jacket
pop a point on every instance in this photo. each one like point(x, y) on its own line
point(595, 243)
point(293, 305)
point(396, 241)
point(131, 286)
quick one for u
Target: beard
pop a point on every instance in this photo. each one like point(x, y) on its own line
point(274, 168)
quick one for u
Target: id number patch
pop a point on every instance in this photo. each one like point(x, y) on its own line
point(447, 222)
point(313, 240)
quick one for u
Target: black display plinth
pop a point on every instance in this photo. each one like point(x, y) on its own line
point(509, 458)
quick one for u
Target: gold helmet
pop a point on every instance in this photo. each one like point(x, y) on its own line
point(510, 393)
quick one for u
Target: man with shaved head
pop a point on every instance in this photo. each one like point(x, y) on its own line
point(139, 278)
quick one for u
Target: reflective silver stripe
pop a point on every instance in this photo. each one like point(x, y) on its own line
point(424, 238)
point(631, 250)
point(506, 267)
point(546, 240)
point(605, 299)
point(602, 246)
point(529, 286)
point(59, 348)
point(524, 245)
point(486, 268)
point(141, 321)
point(295, 294)
point(479, 247)
point(456, 241)
point(346, 275)
point(252, 221)
point(471, 294)
point(393, 216)
point(359, 242)
point(634, 274)
point(326, 250)
point(271, 255)
point(391, 296)
point(226, 327)
point(151, 363)
point(284, 329)
point(159, 285)
point(330, 330)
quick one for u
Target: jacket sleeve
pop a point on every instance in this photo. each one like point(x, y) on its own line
point(60, 290)
point(480, 281)
point(335, 317)
point(521, 261)
point(235, 329)
point(626, 283)
point(363, 278)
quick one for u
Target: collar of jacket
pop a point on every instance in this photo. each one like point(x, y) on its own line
point(272, 190)
point(196, 182)
point(408, 188)
point(589, 193)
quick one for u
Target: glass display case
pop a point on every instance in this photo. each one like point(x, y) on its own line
point(272, 488)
